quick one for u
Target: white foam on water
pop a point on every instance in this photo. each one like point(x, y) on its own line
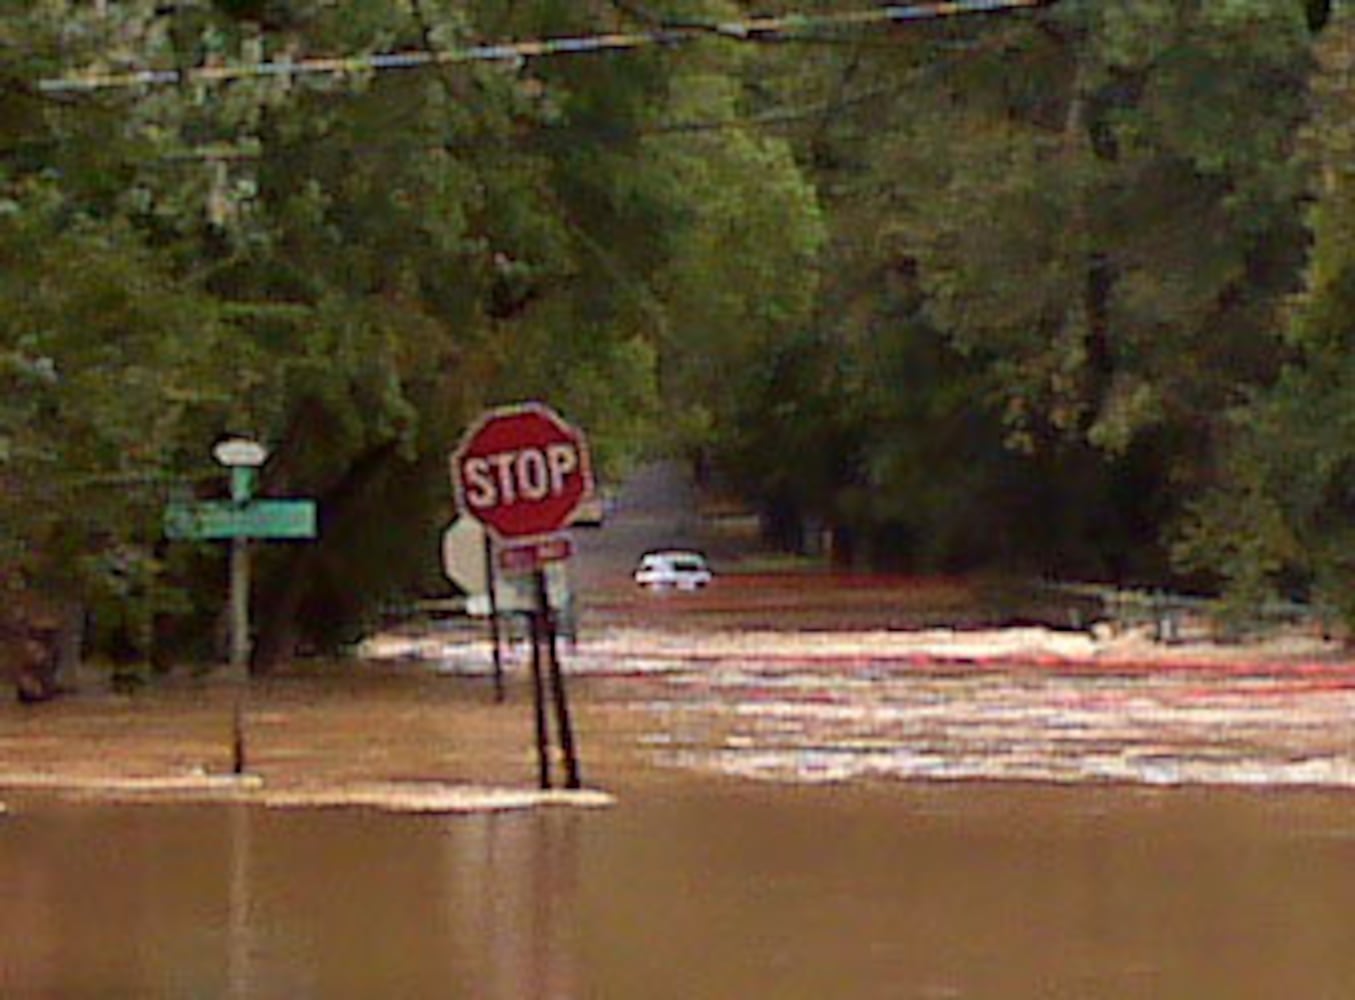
point(434, 797)
point(392, 796)
point(633, 650)
point(194, 782)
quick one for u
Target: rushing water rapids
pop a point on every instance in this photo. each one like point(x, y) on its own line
point(1027, 705)
point(1030, 705)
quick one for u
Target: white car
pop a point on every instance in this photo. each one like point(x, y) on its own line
point(677, 569)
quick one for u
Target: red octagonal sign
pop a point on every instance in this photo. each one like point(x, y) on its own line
point(522, 471)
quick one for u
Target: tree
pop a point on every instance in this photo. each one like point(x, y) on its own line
point(1278, 519)
point(1096, 209)
point(380, 255)
point(102, 361)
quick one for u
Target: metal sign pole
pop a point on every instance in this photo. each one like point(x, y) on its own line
point(239, 602)
point(564, 730)
point(242, 487)
point(239, 519)
point(539, 702)
point(490, 575)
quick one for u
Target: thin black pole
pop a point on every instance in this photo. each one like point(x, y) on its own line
point(539, 702)
point(238, 735)
point(494, 618)
point(563, 728)
point(239, 604)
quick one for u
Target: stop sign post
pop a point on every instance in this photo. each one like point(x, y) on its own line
point(522, 471)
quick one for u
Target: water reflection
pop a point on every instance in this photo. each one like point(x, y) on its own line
point(239, 940)
point(516, 885)
point(243, 902)
point(707, 889)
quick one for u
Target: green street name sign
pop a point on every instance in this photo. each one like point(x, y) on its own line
point(216, 519)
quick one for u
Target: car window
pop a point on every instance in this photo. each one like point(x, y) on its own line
point(673, 562)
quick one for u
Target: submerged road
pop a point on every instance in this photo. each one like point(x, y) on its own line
point(656, 508)
point(862, 812)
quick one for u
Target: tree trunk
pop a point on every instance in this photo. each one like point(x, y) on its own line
point(276, 644)
point(1099, 346)
point(843, 547)
point(32, 640)
point(277, 619)
point(1099, 274)
point(783, 526)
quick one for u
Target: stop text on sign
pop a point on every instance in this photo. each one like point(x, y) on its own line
point(513, 476)
point(522, 471)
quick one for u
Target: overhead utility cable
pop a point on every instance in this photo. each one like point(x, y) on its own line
point(756, 29)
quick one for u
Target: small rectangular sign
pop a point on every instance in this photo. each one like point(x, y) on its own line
point(533, 555)
point(218, 519)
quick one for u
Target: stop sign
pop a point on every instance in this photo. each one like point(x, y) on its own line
point(522, 471)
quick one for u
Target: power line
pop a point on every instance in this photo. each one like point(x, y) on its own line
point(545, 137)
point(786, 27)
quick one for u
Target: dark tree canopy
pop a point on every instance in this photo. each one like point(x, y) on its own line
point(1043, 292)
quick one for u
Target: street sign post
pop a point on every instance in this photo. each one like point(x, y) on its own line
point(522, 472)
point(238, 520)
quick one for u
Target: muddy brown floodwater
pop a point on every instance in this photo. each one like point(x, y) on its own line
point(847, 822)
point(708, 890)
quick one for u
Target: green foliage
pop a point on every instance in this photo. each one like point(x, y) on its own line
point(364, 261)
point(1279, 516)
point(743, 271)
point(102, 361)
point(1104, 250)
point(1074, 231)
point(975, 291)
point(1279, 519)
